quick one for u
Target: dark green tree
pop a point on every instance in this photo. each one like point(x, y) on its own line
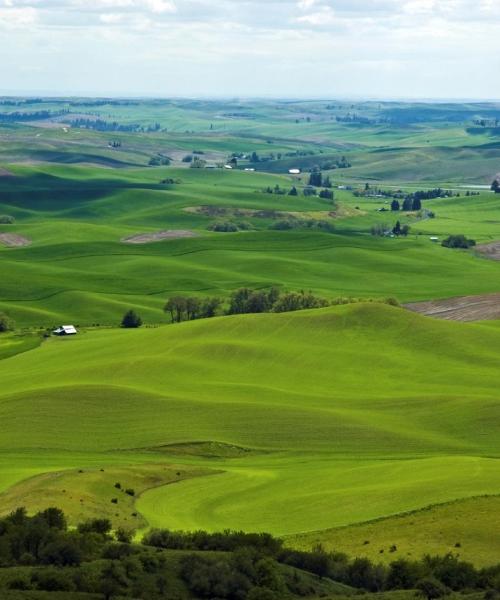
point(131, 320)
point(6, 324)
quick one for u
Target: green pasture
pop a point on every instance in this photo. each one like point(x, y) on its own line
point(77, 269)
point(353, 413)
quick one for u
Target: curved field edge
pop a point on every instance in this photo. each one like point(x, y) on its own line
point(108, 492)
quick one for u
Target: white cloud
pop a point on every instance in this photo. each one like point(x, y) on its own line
point(380, 47)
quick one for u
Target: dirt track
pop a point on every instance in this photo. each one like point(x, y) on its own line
point(158, 236)
point(12, 240)
point(491, 250)
point(465, 308)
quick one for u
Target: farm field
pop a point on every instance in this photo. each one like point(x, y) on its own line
point(353, 425)
point(318, 428)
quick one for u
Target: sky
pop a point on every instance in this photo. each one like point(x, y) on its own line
point(441, 49)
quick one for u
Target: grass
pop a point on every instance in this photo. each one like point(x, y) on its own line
point(326, 420)
point(322, 395)
point(77, 269)
point(457, 527)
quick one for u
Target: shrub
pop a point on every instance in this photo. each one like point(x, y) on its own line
point(458, 241)
point(431, 588)
point(131, 320)
point(7, 220)
point(6, 324)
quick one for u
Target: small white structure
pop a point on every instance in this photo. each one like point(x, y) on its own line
point(249, 169)
point(434, 238)
point(65, 330)
point(228, 167)
point(294, 171)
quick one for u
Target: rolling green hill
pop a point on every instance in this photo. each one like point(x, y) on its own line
point(352, 413)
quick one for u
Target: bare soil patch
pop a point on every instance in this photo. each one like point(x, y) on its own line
point(158, 236)
point(5, 173)
point(491, 250)
point(13, 240)
point(464, 308)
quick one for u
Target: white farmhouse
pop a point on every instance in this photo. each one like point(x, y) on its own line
point(65, 330)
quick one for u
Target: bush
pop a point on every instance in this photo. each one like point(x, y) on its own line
point(131, 320)
point(431, 588)
point(7, 220)
point(6, 324)
point(458, 241)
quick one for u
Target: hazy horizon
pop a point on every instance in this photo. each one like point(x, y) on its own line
point(446, 50)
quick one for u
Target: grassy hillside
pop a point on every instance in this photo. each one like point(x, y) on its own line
point(77, 268)
point(339, 405)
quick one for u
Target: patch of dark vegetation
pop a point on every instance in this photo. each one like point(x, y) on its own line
point(294, 223)
point(229, 226)
point(7, 220)
point(102, 125)
point(458, 241)
point(38, 115)
point(6, 323)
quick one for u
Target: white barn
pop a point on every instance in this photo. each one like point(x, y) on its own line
point(65, 330)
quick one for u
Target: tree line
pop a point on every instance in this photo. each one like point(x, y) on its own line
point(229, 565)
point(244, 301)
point(241, 301)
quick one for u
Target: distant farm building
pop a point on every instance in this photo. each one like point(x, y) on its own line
point(434, 238)
point(294, 171)
point(228, 167)
point(65, 330)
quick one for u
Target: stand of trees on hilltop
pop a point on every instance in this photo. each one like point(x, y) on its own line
point(247, 301)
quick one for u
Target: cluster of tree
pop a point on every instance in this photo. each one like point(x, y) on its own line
point(102, 125)
point(399, 229)
point(115, 144)
point(316, 179)
point(198, 163)
point(229, 565)
point(409, 204)
point(408, 198)
point(104, 102)
point(39, 115)
point(279, 191)
point(350, 300)
point(7, 220)
point(355, 118)
point(381, 229)
point(433, 576)
point(486, 122)
point(6, 323)
point(20, 102)
point(245, 301)
point(495, 186)
point(189, 308)
point(458, 241)
point(291, 223)
point(170, 181)
point(159, 161)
